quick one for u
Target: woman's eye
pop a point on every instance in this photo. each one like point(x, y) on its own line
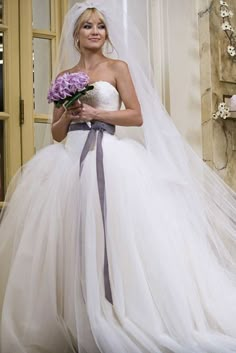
point(87, 26)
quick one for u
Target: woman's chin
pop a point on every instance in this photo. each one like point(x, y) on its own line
point(93, 46)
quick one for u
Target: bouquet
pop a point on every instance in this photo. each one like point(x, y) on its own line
point(68, 88)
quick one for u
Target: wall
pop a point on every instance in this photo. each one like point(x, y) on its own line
point(218, 74)
point(176, 63)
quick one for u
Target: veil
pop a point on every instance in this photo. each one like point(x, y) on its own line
point(158, 133)
point(174, 158)
point(210, 203)
point(213, 202)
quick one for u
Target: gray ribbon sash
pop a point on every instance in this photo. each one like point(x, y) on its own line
point(89, 144)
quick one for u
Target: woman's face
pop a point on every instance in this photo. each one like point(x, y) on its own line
point(92, 34)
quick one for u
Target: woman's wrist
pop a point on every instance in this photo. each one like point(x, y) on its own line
point(98, 115)
point(65, 118)
point(63, 122)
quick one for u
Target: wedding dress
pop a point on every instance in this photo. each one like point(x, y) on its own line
point(170, 290)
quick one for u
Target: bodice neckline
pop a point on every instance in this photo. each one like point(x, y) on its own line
point(103, 81)
point(104, 96)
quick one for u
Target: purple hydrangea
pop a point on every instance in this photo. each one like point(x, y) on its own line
point(67, 85)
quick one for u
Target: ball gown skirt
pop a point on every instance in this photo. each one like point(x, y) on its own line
point(170, 292)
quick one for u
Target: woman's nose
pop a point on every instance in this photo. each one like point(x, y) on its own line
point(95, 30)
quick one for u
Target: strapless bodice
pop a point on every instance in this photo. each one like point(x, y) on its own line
point(104, 96)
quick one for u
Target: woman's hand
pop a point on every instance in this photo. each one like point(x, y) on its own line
point(81, 112)
point(72, 113)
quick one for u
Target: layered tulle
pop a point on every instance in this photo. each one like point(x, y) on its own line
point(173, 288)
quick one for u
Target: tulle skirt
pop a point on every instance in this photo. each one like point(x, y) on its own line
point(171, 292)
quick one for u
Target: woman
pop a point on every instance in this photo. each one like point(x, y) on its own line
point(123, 246)
point(90, 35)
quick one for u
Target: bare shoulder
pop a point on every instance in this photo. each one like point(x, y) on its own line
point(118, 66)
point(120, 70)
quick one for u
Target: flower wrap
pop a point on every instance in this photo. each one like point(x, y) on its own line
point(67, 88)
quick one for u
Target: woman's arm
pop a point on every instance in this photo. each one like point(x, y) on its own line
point(62, 118)
point(60, 124)
point(61, 121)
point(131, 116)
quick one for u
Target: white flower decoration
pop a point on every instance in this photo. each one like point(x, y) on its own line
point(221, 106)
point(226, 26)
point(231, 50)
point(224, 13)
point(226, 115)
point(222, 112)
point(216, 115)
point(224, 3)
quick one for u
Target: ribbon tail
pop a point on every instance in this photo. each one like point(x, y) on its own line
point(102, 198)
point(90, 141)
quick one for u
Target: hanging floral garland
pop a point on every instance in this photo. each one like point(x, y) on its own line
point(226, 15)
point(227, 27)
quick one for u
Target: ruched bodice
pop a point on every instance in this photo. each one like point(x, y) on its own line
point(104, 96)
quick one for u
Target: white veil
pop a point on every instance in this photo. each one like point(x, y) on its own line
point(213, 202)
point(210, 204)
point(174, 158)
point(129, 46)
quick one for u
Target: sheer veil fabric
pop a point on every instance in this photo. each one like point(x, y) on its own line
point(175, 159)
point(176, 267)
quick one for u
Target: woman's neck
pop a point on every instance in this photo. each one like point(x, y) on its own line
point(89, 61)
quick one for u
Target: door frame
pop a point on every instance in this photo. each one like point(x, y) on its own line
point(11, 89)
point(18, 114)
point(27, 33)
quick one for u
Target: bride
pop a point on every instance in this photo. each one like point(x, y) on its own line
point(120, 245)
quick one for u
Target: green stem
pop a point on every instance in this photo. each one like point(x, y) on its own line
point(75, 98)
point(69, 101)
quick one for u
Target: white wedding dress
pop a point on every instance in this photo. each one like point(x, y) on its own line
point(170, 291)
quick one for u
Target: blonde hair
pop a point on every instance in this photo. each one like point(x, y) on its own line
point(82, 19)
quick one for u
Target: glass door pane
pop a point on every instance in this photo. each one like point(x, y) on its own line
point(38, 48)
point(42, 73)
point(41, 14)
point(43, 38)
